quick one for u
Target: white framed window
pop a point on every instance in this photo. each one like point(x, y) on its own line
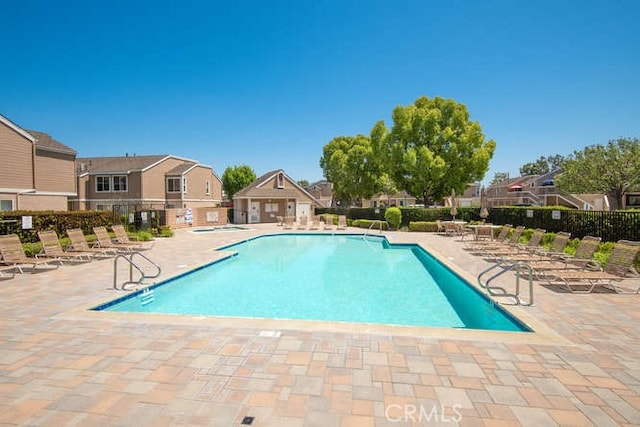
point(280, 180)
point(6, 205)
point(120, 183)
point(184, 184)
point(271, 207)
point(173, 185)
point(207, 187)
point(103, 183)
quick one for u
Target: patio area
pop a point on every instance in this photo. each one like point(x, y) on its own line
point(63, 365)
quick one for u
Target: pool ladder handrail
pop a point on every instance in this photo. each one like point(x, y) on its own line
point(129, 259)
point(507, 266)
point(377, 221)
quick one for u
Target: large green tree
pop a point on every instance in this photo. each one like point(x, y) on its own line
point(348, 163)
point(542, 166)
point(611, 169)
point(235, 178)
point(432, 148)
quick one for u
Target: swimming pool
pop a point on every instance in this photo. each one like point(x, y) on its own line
point(345, 278)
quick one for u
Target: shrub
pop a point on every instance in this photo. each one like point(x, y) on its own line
point(165, 232)
point(366, 223)
point(428, 226)
point(394, 217)
point(144, 236)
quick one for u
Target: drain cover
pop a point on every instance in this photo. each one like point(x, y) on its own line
point(247, 421)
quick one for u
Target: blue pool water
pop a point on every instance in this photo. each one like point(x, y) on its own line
point(327, 277)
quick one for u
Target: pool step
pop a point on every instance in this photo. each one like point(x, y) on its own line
point(147, 296)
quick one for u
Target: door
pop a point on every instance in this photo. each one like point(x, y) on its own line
point(303, 209)
point(254, 214)
point(291, 208)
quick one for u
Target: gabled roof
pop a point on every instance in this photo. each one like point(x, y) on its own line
point(44, 141)
point(16, 128)
point(180, 169)
point(256, 188)
point(122, 164)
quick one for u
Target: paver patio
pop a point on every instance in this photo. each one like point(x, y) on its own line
point(63, 365)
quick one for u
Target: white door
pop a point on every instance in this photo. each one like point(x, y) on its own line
point(303, 209)
point(254, 215)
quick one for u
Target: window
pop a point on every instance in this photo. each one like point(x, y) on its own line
point(271, 207)
point(280, 180)
point(184, 184)
point(173, 185)
point(103, 183)
point(120, 183)
point(207, 187)
point(6, 205)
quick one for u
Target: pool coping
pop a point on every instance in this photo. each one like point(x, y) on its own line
point(540, 332)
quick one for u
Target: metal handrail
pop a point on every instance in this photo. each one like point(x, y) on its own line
point(378, 221)
point(132, 265)
point(518, 266)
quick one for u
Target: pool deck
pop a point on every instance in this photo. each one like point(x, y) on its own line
point(64, 365)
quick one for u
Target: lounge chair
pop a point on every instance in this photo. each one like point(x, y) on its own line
point(512, 241)
point(302, 225)
point(440, 228)
point(315, 223)
point(502, 238)
point(519, 249)
point(7, 272)
point(79, 244)
point(582, 259)
point(556, 250)
point(123, 238)
point(104, 241)
point(328, 222)
point(288, 222)
point(342, 222)
point(13, 255)
point(618, 268)
point(52, 249)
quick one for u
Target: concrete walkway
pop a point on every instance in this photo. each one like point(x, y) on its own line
point(63, 365)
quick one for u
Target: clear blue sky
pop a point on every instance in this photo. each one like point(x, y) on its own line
point(269, 83)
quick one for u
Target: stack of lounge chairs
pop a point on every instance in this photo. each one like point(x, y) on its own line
point(52, 255)
point(574, 273)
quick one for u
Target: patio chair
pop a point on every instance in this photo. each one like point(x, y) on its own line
point(123, 238)
point(104, 241)
point(440, 228)
point(79, 244)
point(556, 250)
point(618, 268)
point(315, 223)
point(328, 222)
point(13, 255)
point(582, 259)
point(52, 249)
point(512, 241)
point(302, 225)
point(288, 222)
point(7, 272)
point(502, 238)
point(342, 222)
point(520, 249)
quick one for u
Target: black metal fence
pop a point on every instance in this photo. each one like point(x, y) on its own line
point(610, 226)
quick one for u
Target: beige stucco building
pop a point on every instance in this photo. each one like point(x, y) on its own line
point(38, 172)
point(272, 195)
point(146, 182)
